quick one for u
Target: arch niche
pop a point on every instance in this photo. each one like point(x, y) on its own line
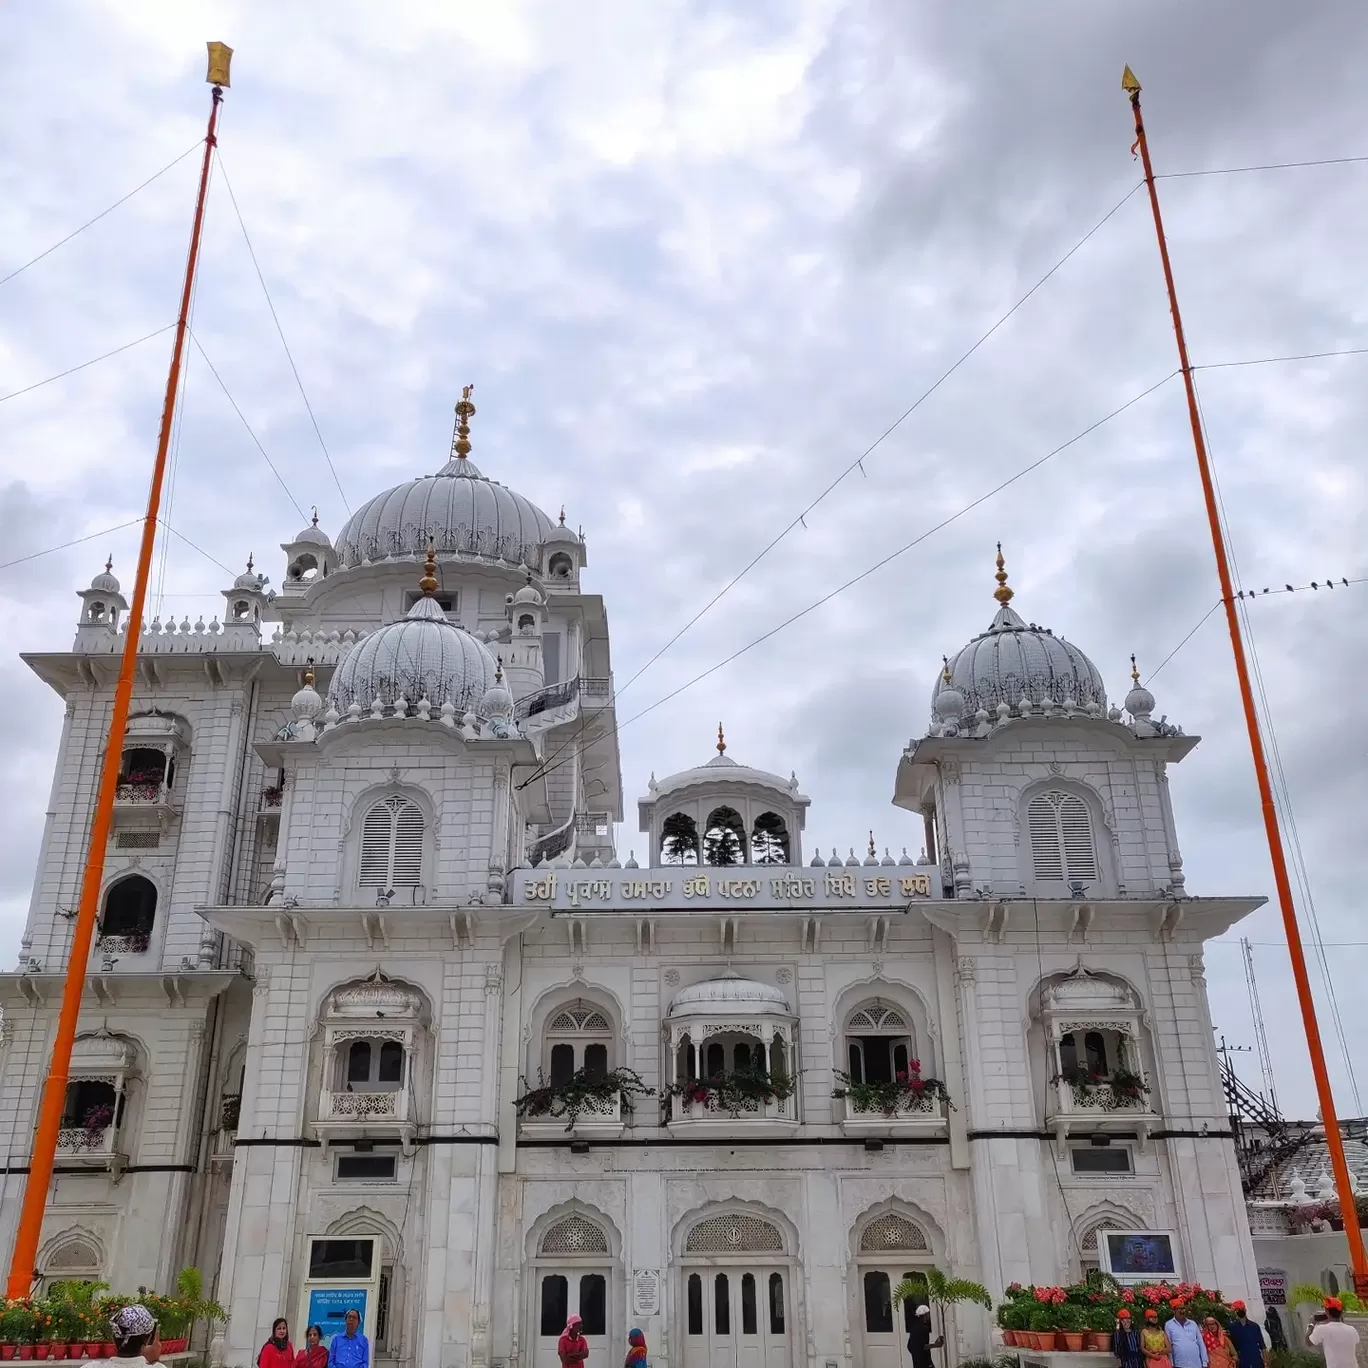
point(736, 1292)
point(890, 1244)
point(575, 1267)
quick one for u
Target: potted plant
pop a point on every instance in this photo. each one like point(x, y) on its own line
point(1073, 1326)
point(743, 1090)
point(582, 1091)
point(907, 1091)
point(195, 1306)
point(1126, 1088)
point(941, 1291)
point(1101, 1323)
point(1044, 1322)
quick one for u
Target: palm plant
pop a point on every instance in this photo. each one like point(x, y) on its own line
point(197, 1307)
point(933, 1287)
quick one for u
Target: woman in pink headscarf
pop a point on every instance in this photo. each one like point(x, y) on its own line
point(572, 1347)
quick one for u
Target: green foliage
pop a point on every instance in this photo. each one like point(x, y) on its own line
point(1309, 1294)
point(934, 1287)
point(1122, 1088)
point(1071, 1316)
point(745, 1090)
point(194, 1304)
point(1294, 1358)
point(907, 1092)
point(581, 1092)
point(1101, 1319)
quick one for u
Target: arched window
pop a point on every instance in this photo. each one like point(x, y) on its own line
point(373, 1066)
point(392, 844)
point(143, 771)
point(560, 565)
point(1062, 846)
point(130, 910)
point(724, 840)
point(879, 1044)
point(769, 840)
point(578, 1036)
point(679, 840)
point(1099, 1055)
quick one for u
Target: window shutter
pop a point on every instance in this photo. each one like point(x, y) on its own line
point(1062, 845)
point(1046, 854)
point(407, 871)
point(392, 845)
point(375, 847)
point(1080, 855)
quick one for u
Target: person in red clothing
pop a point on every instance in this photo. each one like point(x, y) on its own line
point(572, 1347)
point(315, 1354)
point(277, 1352)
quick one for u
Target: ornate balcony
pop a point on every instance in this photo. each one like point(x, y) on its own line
point(598, 1118)
point(88, 1144)
point(909, 1116)
point(145, 802)
point(347, 1114)
point(733, 1065)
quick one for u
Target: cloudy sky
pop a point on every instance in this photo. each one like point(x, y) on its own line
point(696, 258)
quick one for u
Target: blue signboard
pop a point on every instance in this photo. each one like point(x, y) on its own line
point(328, 1307)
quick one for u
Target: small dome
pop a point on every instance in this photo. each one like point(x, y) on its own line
point(312, 536)
point(423, 655)
point(1015, 659)
point(528, 594)
point(729, 995)
point(723, 769)
point(105, 582)
point(249, 579)
point(497, 701)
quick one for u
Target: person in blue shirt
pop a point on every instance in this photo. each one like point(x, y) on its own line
point(1247, 1336)
point(1187, 1349)
point(1125, 1345)
point(351, 1349)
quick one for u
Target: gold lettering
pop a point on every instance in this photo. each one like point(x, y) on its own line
point(697, 886)
point(540, 890)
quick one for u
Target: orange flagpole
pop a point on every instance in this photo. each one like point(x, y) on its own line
point(1333, 1140)
point(54, 1091)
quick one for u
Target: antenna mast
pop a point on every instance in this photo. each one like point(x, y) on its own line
point(1260, 1035)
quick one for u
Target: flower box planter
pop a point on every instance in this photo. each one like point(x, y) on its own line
point(25, 1351)
point(1074, 1341)
point(1099, 1341)
point(7, 1351)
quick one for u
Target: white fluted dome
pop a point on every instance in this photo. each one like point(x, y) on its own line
point(458, 508)
point(105, 582)
point(423, 655)
point(729, 995)
point(1015, 659)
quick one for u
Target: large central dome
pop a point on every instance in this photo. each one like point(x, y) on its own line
point(457, 509)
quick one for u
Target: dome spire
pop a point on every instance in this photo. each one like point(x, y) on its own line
point(465, 411)
point(1135, 670)
point(721, 741)
point(428, 584)
point(1002, 593)
point(109, 564)
point(315, 515)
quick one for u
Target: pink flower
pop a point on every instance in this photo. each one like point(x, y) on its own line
point(1128, 1295)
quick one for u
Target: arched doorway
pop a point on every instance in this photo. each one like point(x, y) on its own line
point(573, 1275)
point(891, 1248)
point(736, 1294)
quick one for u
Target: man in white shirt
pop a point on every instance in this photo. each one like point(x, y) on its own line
point(1337, 1341)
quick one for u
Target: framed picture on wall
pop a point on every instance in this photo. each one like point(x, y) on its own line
point(1138, 1255)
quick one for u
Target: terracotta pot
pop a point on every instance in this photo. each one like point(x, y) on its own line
point(40, 1351)
point(1038, 1338)
point(25, 1351)
point(1099, 1341)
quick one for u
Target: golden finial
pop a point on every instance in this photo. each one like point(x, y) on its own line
point(1002, 593)
point(721, 740)
point(1135, 671)
point(873, 853)
point(109, 564)
point(249, 562)
point(428, 584)
point(309, 674)
point(945, 673)
point(465, 411)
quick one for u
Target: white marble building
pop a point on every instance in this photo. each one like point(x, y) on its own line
point(362, 895)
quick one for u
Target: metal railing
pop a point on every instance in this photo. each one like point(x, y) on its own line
point(549, 699)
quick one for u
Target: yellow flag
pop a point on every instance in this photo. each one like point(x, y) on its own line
point(1128, 82)
point(220, 59)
